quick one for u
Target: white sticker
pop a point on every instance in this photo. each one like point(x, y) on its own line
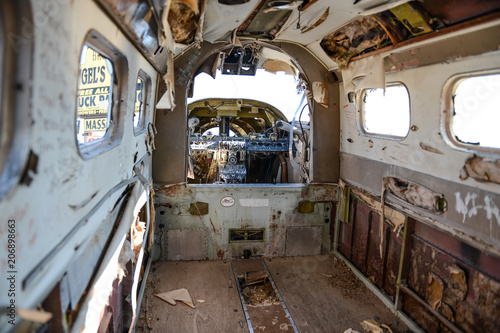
point(254, 202)
point(227, 201)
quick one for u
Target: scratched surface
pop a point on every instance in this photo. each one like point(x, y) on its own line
point(64, 186)
point(472, 214)
point(273, 208)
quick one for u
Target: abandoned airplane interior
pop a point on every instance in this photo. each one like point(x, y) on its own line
point(328, 166)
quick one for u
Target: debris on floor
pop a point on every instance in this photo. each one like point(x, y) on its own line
point(344, 278)
point(350, 330)
point(256, 289)
point(261, 294)
point(181, 295)
point(374, 327)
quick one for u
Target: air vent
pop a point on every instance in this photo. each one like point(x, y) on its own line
point(246, 235)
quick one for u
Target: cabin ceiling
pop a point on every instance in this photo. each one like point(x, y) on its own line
point(335, 31)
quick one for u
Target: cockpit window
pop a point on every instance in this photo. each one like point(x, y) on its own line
point(281, 90)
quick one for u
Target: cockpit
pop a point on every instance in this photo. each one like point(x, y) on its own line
point(234, 141)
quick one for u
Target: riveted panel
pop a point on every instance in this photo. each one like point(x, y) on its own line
point(186, 244)
point(303, 241)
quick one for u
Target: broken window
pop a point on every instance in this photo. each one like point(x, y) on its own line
point(141, 94)
point(476, 114)
point(386, 113)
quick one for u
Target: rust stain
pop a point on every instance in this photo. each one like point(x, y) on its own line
point(434, 292)
point(215, 228)
point(319, 192)
point(220, 254)
point(175, 190)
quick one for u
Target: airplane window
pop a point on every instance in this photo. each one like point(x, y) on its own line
point(139, 105)
point(476, 115)
point(95, 96)
point(141, 93)
point(386, 114)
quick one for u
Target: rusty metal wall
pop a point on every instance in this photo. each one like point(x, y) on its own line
point(437, 280)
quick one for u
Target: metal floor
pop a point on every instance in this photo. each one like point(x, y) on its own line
point(320, 293)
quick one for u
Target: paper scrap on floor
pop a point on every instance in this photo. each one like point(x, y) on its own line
point(181, 295)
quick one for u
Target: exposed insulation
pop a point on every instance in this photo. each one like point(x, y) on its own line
point(361, 35)
point(183, 20)
point(416, 194)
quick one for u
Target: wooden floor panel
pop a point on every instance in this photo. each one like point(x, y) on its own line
point(211, 281)
point(321, 294)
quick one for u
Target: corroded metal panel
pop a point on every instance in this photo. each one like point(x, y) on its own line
point(453, 279)
point(360, 238)
point(303, 241)
point(185, 244)
point(375, 255)
point(391, 267)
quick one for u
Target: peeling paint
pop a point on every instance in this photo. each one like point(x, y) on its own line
point(429, 148)
point(416, 194)
point(482, 170)
point(361, 35)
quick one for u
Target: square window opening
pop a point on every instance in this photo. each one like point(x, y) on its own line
point(473, 122)
point(385, 114)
